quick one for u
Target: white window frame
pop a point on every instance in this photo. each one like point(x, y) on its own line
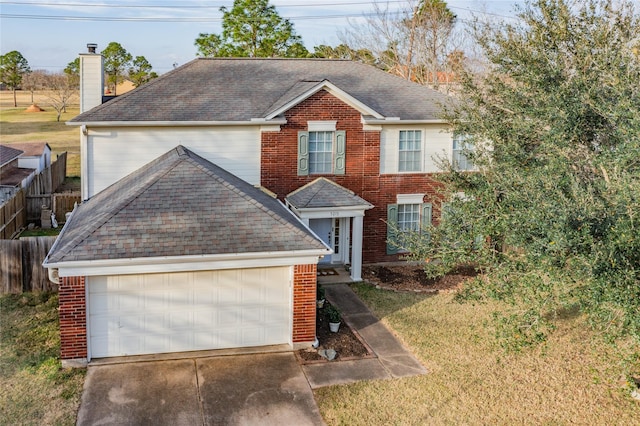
point(459, 160)
point(416, 154)
point(326, 153)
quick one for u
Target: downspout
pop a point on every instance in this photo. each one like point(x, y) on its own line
point(54, 277)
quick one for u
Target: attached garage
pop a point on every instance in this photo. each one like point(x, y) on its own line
point(176, 312)
point(182, 256)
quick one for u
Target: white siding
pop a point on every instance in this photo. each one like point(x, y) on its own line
point(436, 142)
point(114, 153)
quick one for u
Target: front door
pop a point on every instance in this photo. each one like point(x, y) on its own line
point(323, 229)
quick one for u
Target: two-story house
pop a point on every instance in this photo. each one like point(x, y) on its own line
point(347, 148)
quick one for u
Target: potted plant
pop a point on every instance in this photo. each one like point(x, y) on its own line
point(334, 318)
point(319, 297)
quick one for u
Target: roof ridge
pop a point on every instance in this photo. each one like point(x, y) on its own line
point(106, 216)
point(244, 194)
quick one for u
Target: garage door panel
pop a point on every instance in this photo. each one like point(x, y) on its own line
point(189, 311)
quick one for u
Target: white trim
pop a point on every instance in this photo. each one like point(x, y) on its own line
point(409, 198)
point(322, 126)
point(335, 91)
point(395, 120)
point(252, 122)
point(187, 263)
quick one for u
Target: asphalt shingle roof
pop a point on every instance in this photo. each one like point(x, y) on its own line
point(239, 89)
point(31, 149)
point(323, 192)
point(8, 154)
point(179, 204)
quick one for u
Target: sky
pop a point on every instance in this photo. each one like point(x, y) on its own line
point(51, 33)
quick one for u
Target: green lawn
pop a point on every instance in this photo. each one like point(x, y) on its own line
point(35, 389)
point(17, 125)
point(574, 379)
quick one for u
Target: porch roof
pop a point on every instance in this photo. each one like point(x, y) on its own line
point(323, 193)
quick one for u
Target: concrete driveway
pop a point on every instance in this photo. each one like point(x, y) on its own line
point(265, 389)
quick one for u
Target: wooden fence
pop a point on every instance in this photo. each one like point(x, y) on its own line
point(13, 216)
point(21, 265)
point(26, 208)
point(41, 191)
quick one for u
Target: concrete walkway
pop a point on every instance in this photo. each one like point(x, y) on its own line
point(223, 387)
point(392, 359)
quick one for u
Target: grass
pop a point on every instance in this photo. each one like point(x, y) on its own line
point(40, 232)
point(16, 125)
point(576, 378)
point(35, 389)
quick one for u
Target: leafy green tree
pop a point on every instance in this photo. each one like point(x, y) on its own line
point(252, 28)
point(13, 67)
point(73, 71)
point(141, 71)
point(116, 63)
point(552, 212)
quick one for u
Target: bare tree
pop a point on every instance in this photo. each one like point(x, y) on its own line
point(35, 80)
point(418, 42)
point(61, 92)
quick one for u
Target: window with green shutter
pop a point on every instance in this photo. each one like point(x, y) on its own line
point(321, 152)
point(404, 218)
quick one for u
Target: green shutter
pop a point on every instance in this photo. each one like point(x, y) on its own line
point(340, 151)
point(425, 218)
point(392, 226)
point(303, 153)
point(445, 211)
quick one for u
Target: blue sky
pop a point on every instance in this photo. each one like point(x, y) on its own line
point(50, 33)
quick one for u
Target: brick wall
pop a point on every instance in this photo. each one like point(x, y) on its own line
point(304, 303)
point(73, 318)
point(279, 171)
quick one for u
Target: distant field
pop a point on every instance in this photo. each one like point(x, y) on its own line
point(16, 125)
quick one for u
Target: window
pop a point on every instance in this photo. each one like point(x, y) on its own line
point(408, 215)
point(321, 152)
point(461, 147)
point(410, 151)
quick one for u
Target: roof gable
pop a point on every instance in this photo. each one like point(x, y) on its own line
point(179, 205)
point(288, 101)
point(324, 193)
point(223, 90)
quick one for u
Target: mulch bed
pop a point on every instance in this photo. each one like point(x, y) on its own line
point(345, 342)
point(412, 278)
point(404, 277)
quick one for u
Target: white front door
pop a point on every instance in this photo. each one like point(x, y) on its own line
point(187, 311)
point(332, 232)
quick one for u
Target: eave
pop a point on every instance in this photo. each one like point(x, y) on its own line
point(252, 122)
point(146, 265)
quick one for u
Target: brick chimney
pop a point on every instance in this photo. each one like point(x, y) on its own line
point(91, 78)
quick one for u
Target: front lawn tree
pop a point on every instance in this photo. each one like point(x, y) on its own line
point(252, 28)
point(116, 64)
point(553, 211)
point(13, 67)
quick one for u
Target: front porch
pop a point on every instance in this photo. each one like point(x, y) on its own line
point(337, 274)
point(335, 214)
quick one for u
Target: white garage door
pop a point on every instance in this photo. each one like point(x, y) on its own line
point(156, 313)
